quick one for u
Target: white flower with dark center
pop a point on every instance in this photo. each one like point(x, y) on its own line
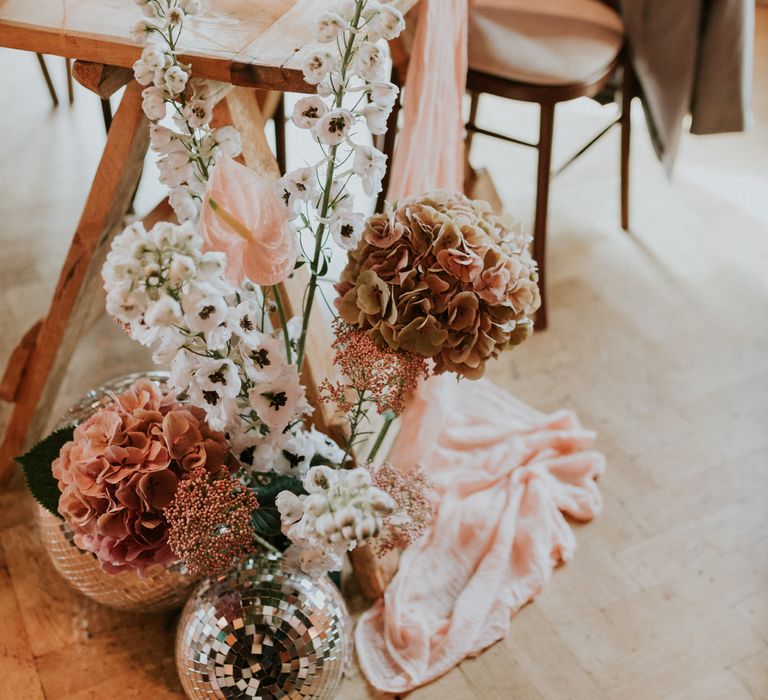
point(153, 103)
point(325, 447)
point(204, 309)
point(332, 128)
point(371, 62)
point(370, 165)
point(294, 455)
point(308, 110)
point(347, 228)
point(198, 112)
point(302, 184)
point(175, 17)
point(279, 402)
point(328, 27)
point(214, 381)
point(384, 94)
point(318, 64)
point(376, 118)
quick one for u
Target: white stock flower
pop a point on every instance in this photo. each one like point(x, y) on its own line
point(153, 103)
point(308, 110)
point(289, 506)
point(163, 313)
point(370, 165)
point(328, 27)
point(347, 228)
point(384, 94)
point(302, 183)
point(332, 128)
point(175, 80)
point(371, 62)
point(317, 64)
point(376, 118)
point(228, 140)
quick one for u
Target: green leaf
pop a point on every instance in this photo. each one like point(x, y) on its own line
point(266, 486)
point(37, 468)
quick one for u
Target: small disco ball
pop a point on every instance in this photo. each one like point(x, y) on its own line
point(264, 630)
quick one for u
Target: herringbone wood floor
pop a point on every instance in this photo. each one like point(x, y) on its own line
point(658, 339)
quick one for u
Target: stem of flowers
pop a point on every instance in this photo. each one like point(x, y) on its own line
point(283, 322)
point(389, 417)
point(354, 424)
point(261, 541)
point(319, 234)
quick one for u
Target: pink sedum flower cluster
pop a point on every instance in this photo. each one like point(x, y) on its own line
point(122, 468)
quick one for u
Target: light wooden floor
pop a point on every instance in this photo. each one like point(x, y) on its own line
point(658, 339)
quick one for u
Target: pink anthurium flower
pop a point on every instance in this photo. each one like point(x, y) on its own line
point(242, 217)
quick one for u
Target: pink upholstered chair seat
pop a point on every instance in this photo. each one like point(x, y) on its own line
point(543, 42)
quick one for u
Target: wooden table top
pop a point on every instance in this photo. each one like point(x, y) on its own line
point(244, 42)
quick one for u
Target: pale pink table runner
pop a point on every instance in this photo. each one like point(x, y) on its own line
point(505, 472)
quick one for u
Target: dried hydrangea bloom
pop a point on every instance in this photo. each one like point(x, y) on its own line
point(443, 277)
point(384, 376)
point(414, 509)
point(122, 468)
point(210, 521)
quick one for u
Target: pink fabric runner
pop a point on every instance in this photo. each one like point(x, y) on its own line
point(430, 149)
point(504, 473)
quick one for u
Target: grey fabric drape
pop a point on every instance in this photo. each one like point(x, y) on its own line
point(691, 57)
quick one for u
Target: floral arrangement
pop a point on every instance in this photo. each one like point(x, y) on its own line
point(437, 283)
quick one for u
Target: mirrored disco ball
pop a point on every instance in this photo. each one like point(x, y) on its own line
point(264, 630)
point(160, 588)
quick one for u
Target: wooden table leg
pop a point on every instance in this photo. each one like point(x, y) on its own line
point(79, 283)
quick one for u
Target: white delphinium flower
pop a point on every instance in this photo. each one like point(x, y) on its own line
point(308, 110)
point(174, 16)
point(387, 23)
point(228, 139)
point(262, 356)
point(347, 228)
point(376, 118)
point(284, 193)
point(175, 80)
point(332, 128)
point(324, 447)
point(317, 64)
point(279, 402)
point(295, 454)
point(384, 94)
point(197, 112)
point(302, 183)
point(153, 103)
point(369, 164)
point(328, 27)
point(204, 309)
point(214, 381)
point(163, 313)
point(183, 204)
point(161, 137)
point(175, 167)
point(154, 57)
point(371, 62)
point(143, 74)
point(190, 7)
point(145, 30)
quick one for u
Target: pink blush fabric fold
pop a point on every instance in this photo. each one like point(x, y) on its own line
point(506, 475)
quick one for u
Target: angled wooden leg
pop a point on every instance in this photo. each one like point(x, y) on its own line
point(546, 133)
point(627, 93)
point(70, 85)
point(279, 122)
point(48, 81)
point(79, 285)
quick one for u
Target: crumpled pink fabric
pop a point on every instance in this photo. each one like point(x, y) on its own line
point(506, 473)
point(430, 147)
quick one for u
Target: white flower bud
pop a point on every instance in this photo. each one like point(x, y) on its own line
point(316, 504)
point(319, 479)
point(326, 525)
point(289, 506)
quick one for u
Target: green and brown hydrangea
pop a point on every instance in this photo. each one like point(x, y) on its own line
point(444, 277)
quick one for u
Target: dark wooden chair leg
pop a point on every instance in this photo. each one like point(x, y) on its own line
point(546, 133)
point(279, 120)
point(627, 92)
point(70, 85)
point(48, 81)
point(473, 105)
point(389, 150)
point(106, 111)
